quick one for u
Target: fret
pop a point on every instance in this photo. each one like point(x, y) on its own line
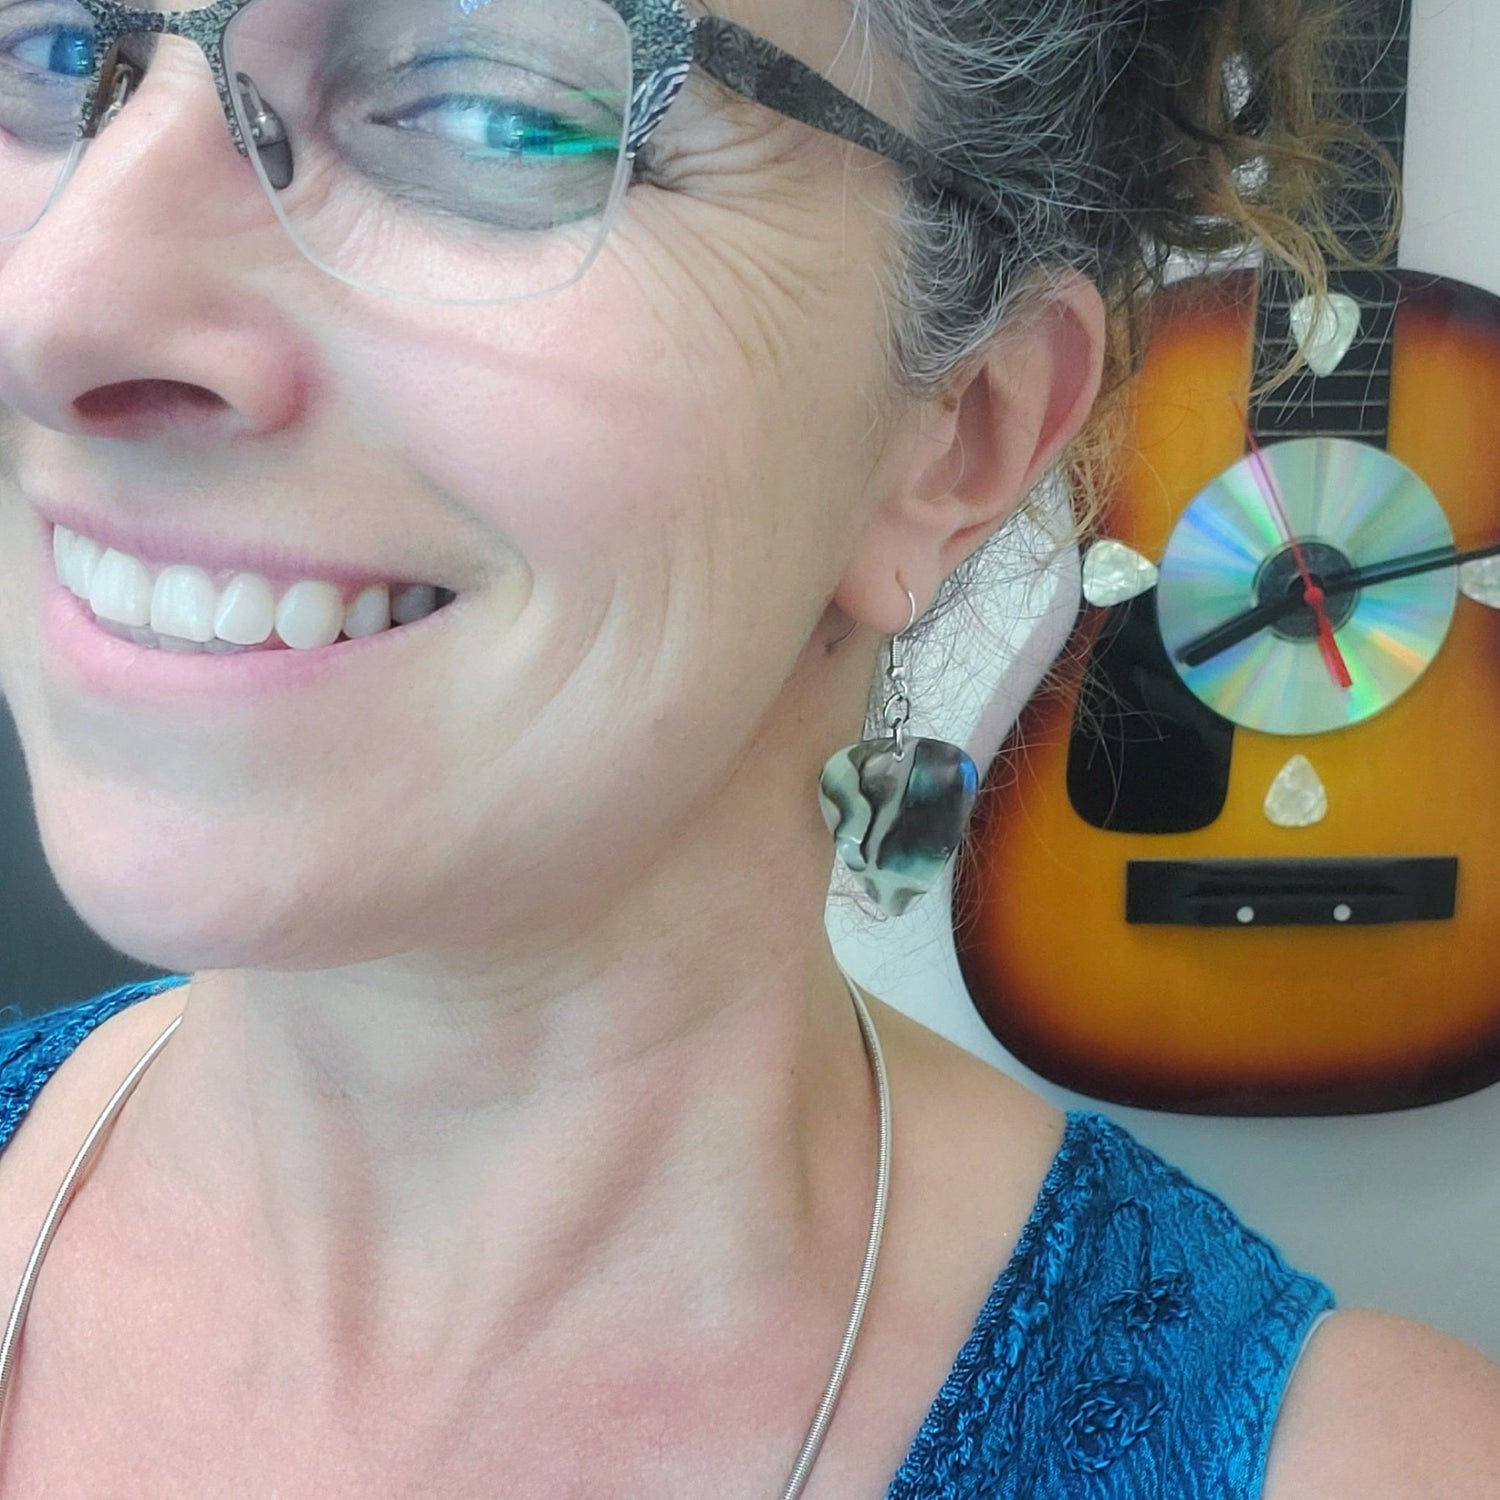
point(1270, 405)
point(1351, 413)
point(1354, 383)
point(1370, 417)
point(1341, 418)
point(1299, 419)
point(1308, 426)
point(1281, 301)
point(1307, 389)
point(1369, 351)
point(1365, 354)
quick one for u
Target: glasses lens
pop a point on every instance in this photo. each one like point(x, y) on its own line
point(453, 150)
point(47, 58)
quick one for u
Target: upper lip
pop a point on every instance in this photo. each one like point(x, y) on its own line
point(160, 546)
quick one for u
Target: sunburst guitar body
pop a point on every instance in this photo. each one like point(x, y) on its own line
point(1253, 889)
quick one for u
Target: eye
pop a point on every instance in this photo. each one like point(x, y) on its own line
point(1145, 754)
point(64, 50)
point(504, 127)
point(497, 145)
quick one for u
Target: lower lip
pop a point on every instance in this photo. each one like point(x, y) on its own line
point(89, 657)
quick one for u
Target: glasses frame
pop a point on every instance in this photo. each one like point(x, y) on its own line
point(666, 43)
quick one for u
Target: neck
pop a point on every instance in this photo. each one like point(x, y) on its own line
point(459, 1180)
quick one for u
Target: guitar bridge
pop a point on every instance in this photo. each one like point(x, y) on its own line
point(1289, 892)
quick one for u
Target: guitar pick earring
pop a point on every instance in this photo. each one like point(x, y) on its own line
point(897, 807)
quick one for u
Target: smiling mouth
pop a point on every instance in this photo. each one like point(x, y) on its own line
point(184, 608)
point(151, 640)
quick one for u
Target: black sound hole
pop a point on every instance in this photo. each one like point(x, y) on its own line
point(1280, 576)
point(1144, 755)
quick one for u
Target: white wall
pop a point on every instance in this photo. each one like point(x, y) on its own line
point(1399, 1211)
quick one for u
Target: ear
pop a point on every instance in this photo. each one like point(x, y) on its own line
point(962, 461)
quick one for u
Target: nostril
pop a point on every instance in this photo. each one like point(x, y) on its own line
point(145, 401)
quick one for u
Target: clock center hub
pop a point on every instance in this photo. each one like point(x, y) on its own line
point(1280, 578)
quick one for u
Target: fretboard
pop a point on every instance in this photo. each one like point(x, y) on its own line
point(1354, 400)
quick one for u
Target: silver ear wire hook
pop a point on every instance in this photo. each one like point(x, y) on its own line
point(897, 709)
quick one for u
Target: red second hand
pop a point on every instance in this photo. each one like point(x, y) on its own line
point(1312, 595)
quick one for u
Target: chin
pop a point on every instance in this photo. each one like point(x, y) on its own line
point(152, 884)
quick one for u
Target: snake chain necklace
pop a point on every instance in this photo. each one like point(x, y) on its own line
point(810, 1447)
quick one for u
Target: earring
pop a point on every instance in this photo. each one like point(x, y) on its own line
point(897, 807)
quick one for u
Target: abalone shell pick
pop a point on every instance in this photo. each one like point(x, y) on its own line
point(896, 823)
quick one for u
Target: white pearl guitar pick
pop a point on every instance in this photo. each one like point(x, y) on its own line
point(1325, 341)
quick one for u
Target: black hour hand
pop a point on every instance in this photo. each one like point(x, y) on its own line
point(1241, 627)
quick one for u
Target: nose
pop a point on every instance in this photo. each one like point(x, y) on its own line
point(138, 305)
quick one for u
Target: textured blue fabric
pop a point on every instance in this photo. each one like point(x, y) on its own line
point(1135, 1346)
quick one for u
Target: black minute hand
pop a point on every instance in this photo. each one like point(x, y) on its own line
point(1211, 643)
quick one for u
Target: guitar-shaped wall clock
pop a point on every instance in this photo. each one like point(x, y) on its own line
point(1243, 855)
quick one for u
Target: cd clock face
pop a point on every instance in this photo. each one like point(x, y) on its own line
point(1252, 599)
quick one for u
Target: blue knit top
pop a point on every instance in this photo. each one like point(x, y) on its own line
point(1135, 1346)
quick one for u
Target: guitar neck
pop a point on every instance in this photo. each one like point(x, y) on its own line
point(1354, 400)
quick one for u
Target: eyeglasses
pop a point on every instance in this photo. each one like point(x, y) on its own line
point(456, 151)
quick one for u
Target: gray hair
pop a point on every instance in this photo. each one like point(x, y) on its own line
point(1011, 93)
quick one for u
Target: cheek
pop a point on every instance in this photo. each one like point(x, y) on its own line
point(558, 430)
point(655, 402)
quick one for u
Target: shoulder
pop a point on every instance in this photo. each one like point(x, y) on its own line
point(48, 1061)
point(1138, 1329)
point(1382, 1408)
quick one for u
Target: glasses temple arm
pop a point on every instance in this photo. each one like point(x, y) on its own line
point(755, 69)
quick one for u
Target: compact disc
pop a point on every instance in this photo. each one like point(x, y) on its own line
point(1349, 505)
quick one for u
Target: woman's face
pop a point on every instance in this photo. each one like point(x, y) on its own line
point(644, 487)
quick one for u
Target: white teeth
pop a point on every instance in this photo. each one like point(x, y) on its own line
point(183, 604)
point(247, 611)
point(180, 609)
point(310, 615)
point(370, 613)
point(83, 556)
point(120, 590)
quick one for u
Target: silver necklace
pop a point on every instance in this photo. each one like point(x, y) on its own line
point(810, 1447)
